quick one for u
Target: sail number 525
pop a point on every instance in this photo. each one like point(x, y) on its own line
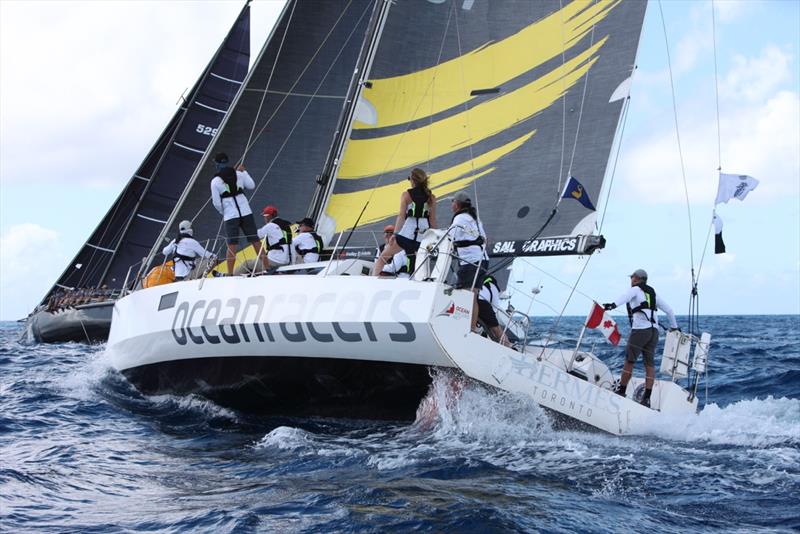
point(206, 130)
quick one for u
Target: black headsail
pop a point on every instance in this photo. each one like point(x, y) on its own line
point(282, 124)
point(507, 99)
point(126, 233)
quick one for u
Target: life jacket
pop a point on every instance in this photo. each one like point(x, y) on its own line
point(286, 230)
point(228, 175)
point(418, 209)
point(388, 268)
point(317, 245)
point(490, 283)
point(648, 304)
point(463, 243)
point(232, 189)
point(189, 260)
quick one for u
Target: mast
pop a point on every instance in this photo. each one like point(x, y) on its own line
point(327, 178)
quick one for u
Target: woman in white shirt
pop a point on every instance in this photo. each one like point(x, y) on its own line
point(417, 214)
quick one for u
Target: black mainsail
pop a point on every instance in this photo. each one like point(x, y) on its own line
point(126, 233)
point(282, 124)
point(507, 99)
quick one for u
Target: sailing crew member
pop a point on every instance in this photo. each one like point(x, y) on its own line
point(642, 304)
point(184, 251)
point(399, 266)
point(469, 240)
point(277, 234)
point(227, 195)
point(488, 300)
point(417, 214)
point(307, 246)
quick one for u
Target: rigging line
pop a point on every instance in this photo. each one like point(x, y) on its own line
point(716, 86)
point(564, 308)
point(407, 129)
point(526, 262)
point(580, 112)
point(286, 96)
point(625, 108)
point(466, 102)
point(678, 135)
point(300, 76)
point(310, 101)
point(269, 80)
point(705, 248)
point(563, 102)
point(433, 81)
point(467, 109)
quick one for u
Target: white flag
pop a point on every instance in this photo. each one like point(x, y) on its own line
point(734, 186)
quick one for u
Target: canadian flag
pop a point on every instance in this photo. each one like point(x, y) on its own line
point(598, 318)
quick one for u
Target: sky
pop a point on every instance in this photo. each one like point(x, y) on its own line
point(86, 87)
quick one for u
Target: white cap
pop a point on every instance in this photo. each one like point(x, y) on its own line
point(185, 227)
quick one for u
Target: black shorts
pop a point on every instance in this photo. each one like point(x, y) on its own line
point(642, 341)
point(486, 314)
point(410, 246)
point(466, 275)
point(247, 225)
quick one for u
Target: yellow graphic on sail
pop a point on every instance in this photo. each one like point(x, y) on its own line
point(371, 157)
point(345, 208)
point(408, 97)
point(403, 99)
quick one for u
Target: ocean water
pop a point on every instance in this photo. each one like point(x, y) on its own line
point(83, 451)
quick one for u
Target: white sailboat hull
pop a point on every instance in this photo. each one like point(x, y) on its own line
point(349, 346)
point(291, 344)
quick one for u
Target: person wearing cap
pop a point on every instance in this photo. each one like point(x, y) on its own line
point(642, 304)
point(307, 246)
point(417, 214)
point(227, 195)
point(277, 236)
point(184, 251)
point(399, 265)
point(469, 240)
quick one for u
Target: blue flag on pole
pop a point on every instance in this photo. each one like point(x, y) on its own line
point(575, 190)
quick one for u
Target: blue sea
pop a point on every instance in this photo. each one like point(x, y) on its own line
point(82, 451)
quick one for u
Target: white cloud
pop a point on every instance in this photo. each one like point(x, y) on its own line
point(31, 258)
point(759, 138)
point(86, 87)
point(731, 10)
point(757, 77)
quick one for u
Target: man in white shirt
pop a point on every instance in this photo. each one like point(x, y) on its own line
point(469, 240)
point(227, 195)
point(185, 250)
point(642, 304)
point(307, 246)
point(277, 236)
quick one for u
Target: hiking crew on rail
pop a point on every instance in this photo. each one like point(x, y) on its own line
point(642, 304)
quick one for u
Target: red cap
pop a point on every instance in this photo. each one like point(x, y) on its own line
point(272, 211)
point(388, 228)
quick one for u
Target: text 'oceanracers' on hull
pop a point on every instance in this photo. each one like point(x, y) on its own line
point(296, 345)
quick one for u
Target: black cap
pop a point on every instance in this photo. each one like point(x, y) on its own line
point(221, 157)
point(307, 221)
